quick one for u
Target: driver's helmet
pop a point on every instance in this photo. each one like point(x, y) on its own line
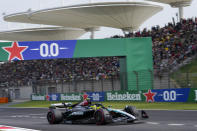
point(86, 102)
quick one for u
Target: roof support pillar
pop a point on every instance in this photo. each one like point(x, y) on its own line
point(92, 31)
point(180, 5)
point(180, 13)
point(92, 34)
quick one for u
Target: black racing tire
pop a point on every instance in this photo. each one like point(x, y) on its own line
point(132, 110)
point(54, 116)
point(102, 117)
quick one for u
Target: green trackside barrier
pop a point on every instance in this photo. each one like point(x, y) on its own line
point(192, 95)
point(37, 97)
point(63, 97)
point(71, 97)
point(135, 53)
point(124, 96)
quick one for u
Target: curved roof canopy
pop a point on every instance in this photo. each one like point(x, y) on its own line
point(39, 34)
point(121, 15)
point(175, 3)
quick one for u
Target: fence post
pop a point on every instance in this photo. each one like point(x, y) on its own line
point(169, 79)
point(84, 85)
point(34, 85)
point(69, 86)
point(137, 81)
point(75, 85)
point(112, 83)
point(102, 84)
point(152, 80)
point(62, 86)
point(187, 79)
point(92, 85)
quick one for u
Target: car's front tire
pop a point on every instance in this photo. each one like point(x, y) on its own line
point(102, 116)
point(54, 116)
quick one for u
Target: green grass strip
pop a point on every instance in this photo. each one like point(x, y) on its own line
point(120, 105)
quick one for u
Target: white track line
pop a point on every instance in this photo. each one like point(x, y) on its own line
point(34, 117)
point(36, 114)
point(153, 123)
point(172, 124)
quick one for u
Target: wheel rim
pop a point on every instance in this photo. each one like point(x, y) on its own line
point(50, 117)
point(98, 117)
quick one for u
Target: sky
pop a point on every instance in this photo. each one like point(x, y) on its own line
point(14, 6)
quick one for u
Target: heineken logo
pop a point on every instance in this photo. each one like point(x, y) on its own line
point(123, 96)
point(38, 98)
point(65, 97)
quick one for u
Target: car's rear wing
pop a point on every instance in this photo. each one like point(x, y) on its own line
point(60, 105)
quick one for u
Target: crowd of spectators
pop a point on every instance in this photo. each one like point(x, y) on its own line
point(172, 44)
point(25, 72)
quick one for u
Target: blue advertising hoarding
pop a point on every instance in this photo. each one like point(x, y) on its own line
point(96, 96)
point(29, 50)
point(53, 97)
point(171, 95)
point(155, 95)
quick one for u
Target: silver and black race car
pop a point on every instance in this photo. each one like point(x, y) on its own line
point(86, 112)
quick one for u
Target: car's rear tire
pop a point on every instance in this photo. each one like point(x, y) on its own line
point(102, 116)
point(54, 116)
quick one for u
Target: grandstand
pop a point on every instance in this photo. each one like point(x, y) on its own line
point(173, 45)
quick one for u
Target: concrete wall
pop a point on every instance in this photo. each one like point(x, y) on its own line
point(25, 92)
point(164, 82)
point(79, 86)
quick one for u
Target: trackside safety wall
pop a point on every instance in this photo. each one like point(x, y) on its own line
point(136, 55)
point(154, 95)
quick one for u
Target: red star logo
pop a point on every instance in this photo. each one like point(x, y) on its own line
point(85, 96)
point(149, 96)
point(47, 97)
point(15, 51)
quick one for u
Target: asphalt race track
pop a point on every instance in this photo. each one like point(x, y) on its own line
point(35, 118)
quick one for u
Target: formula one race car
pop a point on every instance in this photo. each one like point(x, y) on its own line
point(86, 112)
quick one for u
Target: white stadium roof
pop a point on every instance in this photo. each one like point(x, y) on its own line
point(122, 15)
point(175, 3)
point(39, 34)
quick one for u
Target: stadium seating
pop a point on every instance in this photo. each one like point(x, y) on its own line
point(172, 45)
